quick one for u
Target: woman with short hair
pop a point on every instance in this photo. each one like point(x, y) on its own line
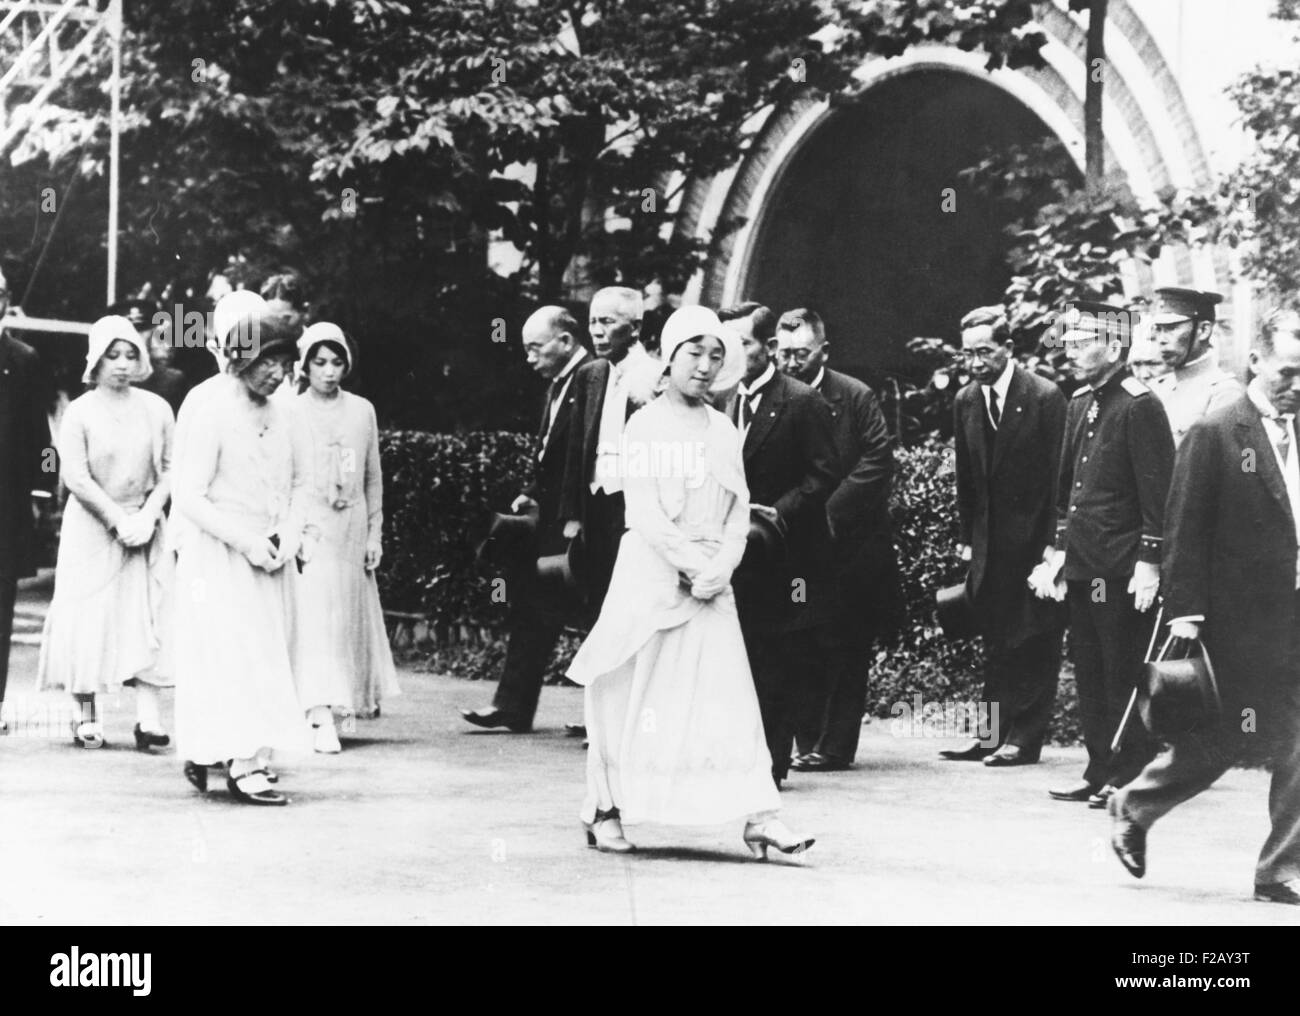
point(104, 627)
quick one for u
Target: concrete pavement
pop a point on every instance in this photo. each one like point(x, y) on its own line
point(424, 820)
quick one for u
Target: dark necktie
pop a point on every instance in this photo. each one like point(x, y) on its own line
point(1285, 441)
point(995, 411)
point(552, 393)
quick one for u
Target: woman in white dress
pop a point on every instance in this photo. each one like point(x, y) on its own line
point(104, 626)
point(341, 658)
point(671, 711)
point(243, 486)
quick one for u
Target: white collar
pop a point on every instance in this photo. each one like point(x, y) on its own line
point(1263, 404)
point(1002, 384)
point(572, 365)
point(635, 353)
point(768, 373)
point(821, 376)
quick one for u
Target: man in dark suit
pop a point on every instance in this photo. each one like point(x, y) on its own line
point(1232, 579)
point(606, 392)
point(550, 339)
point(1008, 425)
point(24, 436)
point(791, 468)
point(863, 563)
point(1116, 461)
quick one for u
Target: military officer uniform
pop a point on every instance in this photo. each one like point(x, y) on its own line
point(1116, 466)
point(1195, 389)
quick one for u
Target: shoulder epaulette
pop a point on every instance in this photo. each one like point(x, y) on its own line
point(1133, 386)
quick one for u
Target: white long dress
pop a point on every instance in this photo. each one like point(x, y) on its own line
point(340, 647)
point(237, 483)
point(105, 624)
point(671, 711)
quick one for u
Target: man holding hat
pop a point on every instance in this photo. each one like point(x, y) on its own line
point(791, 468)
point(1007, 424)
point(863, 568)
point(1232, 568)
point(1195, 384)
point(552, 346)
point(24, 434)
point(1116, 461)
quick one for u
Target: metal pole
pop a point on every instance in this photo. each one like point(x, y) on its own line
point(114, 146)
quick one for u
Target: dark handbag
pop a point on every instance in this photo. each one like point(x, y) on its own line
point(1173, 697)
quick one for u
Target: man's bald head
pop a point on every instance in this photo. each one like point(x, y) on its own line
point(615, 321)
point(550, 335)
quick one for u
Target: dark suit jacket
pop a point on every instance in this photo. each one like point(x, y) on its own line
point(586, 400)
point(548, 479)
point(1006, 500)
point(24, 435)
point(1230, 555)
point(791, 465)
point(858, 507)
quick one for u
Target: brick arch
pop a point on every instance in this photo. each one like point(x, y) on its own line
point(742, 194)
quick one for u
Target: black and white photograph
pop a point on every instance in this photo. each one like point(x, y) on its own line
point(781, 463)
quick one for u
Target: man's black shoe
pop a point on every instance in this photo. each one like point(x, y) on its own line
point(815, 762)
point(496, 718)
point(1127, 839)
point(974, 753)
point(1278, 892)
point(1078, 792)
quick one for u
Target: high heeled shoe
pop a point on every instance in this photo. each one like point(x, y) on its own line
point(606, 833)
point(197, 775)
point(88, 735)
point(146, 739)
point(774, 833)
point(252, 794)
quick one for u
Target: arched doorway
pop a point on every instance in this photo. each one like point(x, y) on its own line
point(871, 225)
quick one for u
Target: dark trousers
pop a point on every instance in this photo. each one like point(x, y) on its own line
point(8, 596)
point(1195, 762)
point(602, 532)
point(532, 632)
point(767, 648)
point(831, 691)
point(1108, 642)
point(1021, 680)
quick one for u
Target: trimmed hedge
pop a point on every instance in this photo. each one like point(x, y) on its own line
point(440, 488)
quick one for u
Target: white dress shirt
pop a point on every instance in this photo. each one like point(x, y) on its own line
point(1001, 386)
point(753, 394)
point(563, 379)
point(1281, 430)
point(608, 474)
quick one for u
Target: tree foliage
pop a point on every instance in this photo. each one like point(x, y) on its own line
point(378, 146)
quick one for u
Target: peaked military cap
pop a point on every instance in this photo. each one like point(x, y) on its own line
point(1175, 304)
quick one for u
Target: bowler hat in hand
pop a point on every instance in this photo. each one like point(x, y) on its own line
point(566, 571)
point(510, 538)
point(1175, 697)
point(956, 617)
point(764, 546)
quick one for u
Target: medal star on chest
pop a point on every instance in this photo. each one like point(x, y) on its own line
point(1093, 410)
